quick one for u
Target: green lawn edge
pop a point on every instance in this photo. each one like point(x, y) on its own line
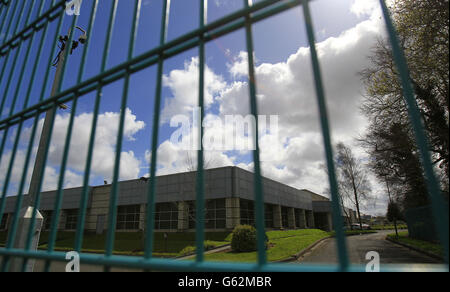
point(421, 245)
point(284, 245)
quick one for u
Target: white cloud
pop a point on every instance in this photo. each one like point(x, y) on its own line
point(184, 86)
point(103, 155)
point(287, 89)
point(364, 7)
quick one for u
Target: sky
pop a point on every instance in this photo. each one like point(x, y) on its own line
point(346, 31)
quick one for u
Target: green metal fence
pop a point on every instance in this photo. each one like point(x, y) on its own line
point(12, 13)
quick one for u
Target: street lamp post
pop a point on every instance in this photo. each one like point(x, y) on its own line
point(26, 214)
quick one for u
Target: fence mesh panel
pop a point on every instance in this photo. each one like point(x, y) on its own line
point(25, 24)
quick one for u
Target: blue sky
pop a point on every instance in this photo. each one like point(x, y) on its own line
point(345, 31)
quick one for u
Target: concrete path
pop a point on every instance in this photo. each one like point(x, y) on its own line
point(359, 245)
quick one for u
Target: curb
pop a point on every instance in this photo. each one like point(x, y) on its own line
point(432, 255)
point(300, 254)
point(217, 249)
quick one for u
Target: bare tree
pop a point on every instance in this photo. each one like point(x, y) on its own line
point(191, 166)
point(191, 163)
point(354, 186)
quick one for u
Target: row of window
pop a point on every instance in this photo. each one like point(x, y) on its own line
point(247, 210)
point(3, 222)
point(166, 216)
point(215, 214)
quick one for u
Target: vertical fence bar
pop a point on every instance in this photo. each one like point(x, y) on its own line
point(85, 192)
point(5, 16)
point(60, 191)
point(8, 53)
point(24, 64)
point(19, 130)
point(326, 133)
point(51, 119)
point(198, 38)
point(14, 225)
point(155, 133)
point(10, 21)
point(440, 214)
point(200, 204)
point(123, 108)
point(83, 203)
point(22, 10)
point(5, 63)
point(16, 57)
point(13, 230)
point(258, 188)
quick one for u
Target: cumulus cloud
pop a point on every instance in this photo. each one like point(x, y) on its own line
point(364, 7)
point(184, 86)
point(287, 89)
point(103, 155)
point(173, 159)
point(294, 156)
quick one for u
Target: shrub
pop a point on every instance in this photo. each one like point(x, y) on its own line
point(244, 239)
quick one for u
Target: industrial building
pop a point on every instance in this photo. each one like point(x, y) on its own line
point(229, 202)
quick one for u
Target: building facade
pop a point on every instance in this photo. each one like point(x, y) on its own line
point(229, 195)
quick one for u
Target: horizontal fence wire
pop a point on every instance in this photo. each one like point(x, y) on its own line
point(36, 31)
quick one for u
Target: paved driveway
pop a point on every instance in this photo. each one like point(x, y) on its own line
point(325, 253)
point(359, 245)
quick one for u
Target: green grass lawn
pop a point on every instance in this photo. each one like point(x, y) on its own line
point(131, 243)
point(431, 247)
point(283, 244)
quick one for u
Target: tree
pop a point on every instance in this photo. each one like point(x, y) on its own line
point(354, 187)
point(394, 158)
point(394, 214)
point(191, 166)
point(423, 28)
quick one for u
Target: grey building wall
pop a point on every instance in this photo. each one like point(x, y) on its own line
point(221, 183)
point(274, 192)
point(321, 206)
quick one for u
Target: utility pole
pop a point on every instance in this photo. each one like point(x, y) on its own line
point(26, 213)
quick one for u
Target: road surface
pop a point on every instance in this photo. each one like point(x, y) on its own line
point(325, 253)
point(359, 245)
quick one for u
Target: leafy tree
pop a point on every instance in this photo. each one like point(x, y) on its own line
point(394, 157)
point(423, 27)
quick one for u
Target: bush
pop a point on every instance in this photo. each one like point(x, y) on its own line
point(244, 239)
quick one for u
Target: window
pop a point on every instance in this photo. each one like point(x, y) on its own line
point(71, 219)
point(128, 217)
point(166, 216)
point(298, 218)
point(268, 215)
point(284, 216)
point(247, 212)
point(192, 215)
point(216, 214)
point(3, 223)
point(48, 215)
